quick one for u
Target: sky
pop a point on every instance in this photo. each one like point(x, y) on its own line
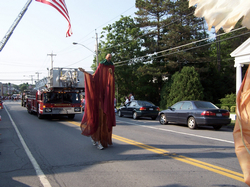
point(42, 31)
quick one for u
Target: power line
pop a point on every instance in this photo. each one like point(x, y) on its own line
point(191, 43)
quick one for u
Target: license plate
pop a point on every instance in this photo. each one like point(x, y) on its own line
point(218, 114)
point(151, 109)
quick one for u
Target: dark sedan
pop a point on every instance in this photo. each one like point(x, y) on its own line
point(137, 108)
point(194, 114)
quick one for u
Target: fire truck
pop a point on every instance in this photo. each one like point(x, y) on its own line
point(57, 94)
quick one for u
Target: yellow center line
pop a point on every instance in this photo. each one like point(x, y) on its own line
point(191, 161)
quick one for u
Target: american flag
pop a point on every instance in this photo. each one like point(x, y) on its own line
point(61, 7)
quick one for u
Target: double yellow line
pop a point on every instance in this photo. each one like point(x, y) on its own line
point(194, 162)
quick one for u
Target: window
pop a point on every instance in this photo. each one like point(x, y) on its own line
point(186, 106)
point(203, 104)
point(177, 106)
point(133, 103)
point(56, 97)
point(145, 103)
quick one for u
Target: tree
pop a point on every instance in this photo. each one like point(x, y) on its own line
point(220, 51)
point(23, 87)
point(186, 86)
point(151, 15)
point(167, 25)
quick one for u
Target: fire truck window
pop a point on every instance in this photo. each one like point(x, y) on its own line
point(71, 98)
point(61, 98)
point(67, 97)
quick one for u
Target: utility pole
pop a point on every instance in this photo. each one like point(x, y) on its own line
point(96, 52)
point(51, 55)
point(218, 52)
point(31, 77)
point(38, 75)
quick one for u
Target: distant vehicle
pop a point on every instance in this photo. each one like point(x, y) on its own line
point(195, 114)
point(138, 108)
point(1, 104)
point(15, 97)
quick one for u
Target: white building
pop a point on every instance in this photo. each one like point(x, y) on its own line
point(241, 57)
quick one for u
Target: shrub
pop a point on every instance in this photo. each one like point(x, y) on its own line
point(225, 107)
point(230, 99)
point(232, 109)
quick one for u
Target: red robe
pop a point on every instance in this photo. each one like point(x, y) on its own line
point(99, 115)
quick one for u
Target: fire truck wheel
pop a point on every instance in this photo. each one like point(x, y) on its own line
point(71, 116)
point(29, 109)
point(40, 116)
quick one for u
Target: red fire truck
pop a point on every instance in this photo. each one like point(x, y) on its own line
point(58, 94)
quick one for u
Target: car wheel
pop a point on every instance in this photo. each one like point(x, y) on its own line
point(192, 123)
point(135, 115)
point(217, 127)
point(120, 113)
point(163, 119)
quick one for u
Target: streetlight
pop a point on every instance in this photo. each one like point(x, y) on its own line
point(95, 52)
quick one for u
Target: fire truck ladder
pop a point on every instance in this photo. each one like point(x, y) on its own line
point(13, 26)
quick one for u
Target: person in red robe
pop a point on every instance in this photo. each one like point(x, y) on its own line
point(99, 115)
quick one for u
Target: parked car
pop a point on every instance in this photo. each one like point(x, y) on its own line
point(1, 104)
point(138, 108)
point(194, 114)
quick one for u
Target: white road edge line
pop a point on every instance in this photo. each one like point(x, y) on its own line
point(37, 168)
point(205, 137)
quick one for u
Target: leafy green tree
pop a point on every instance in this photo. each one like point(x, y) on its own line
point(186, 86)
point(23, 87)
point(220, 50)
point(168, 25)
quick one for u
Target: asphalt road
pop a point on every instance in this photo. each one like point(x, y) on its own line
point(52, 152)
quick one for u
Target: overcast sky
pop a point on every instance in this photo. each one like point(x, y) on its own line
point(42, 31)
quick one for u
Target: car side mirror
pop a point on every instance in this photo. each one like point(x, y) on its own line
point(170, 108)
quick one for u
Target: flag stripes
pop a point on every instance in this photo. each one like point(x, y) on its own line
point(60, 6)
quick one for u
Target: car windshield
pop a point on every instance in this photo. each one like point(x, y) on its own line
point(145, 103)
point(203, 104)
point(55, 97)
